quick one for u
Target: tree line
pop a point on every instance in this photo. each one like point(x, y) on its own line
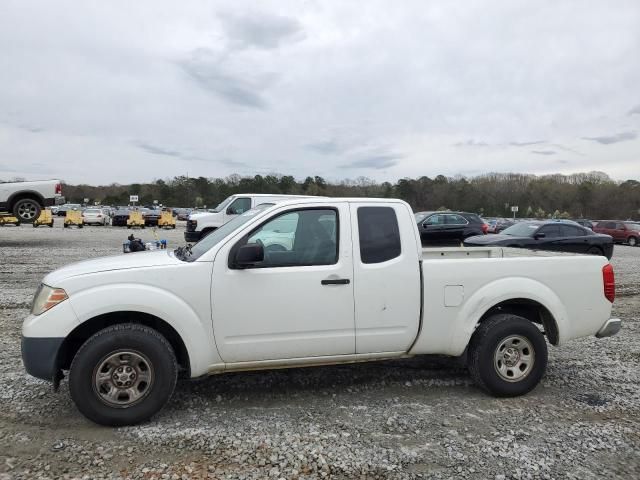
point(582, 195)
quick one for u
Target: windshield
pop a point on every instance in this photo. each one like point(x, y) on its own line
point(521, 230)
point(221, 207)
point(216, 236)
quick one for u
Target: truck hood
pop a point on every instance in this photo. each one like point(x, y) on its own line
point(201, 215)
point(117, 262)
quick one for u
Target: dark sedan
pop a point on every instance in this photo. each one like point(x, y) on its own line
point(548, 235)
point(448, 228)
point(120, 217)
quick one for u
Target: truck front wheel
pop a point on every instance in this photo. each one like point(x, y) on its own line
point(123, 375)
point(507, 355)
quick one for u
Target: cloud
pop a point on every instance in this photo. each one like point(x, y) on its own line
point(259, 30)
point(543, 152)
point(159, 150)
point(608, 140)
point(471, 143)
point(634, 110)
point(329, 147)
point(377, 162)
point(526, 144)
point(210, 72)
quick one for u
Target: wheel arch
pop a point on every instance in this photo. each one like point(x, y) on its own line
point(81, 333)
point(526, 297)
point(22, 194)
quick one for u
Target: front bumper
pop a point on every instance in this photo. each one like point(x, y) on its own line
point(40, 356)
point(192, 237)
point(610, 328)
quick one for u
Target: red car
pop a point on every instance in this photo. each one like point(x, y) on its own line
point(622, 232)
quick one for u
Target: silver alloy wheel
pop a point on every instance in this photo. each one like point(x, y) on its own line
point(123, 378)
point(28, 210)
point(633, 242)
point(514, 358)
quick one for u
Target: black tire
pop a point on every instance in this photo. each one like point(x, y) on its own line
point(595, 251)
point(632, 241)
point(35, 225)
point(27, 210)
point(80, 226)
point(116, 338)
point(483, 349)
point(66, 225)
point(51, 225)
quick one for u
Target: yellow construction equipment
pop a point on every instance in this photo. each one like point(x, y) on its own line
point(167, 220)
point(45, 218)
point(135, 219)
point(8, 220)
point(73, 217)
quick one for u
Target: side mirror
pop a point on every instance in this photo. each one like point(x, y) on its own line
point(539, 235)
point(249, 254)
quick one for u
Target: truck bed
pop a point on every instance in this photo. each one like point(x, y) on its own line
point(433, 253)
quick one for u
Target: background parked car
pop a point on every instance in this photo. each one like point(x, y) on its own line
point(585, 223)
point(120, 217)
point(448, 228)
point(621, 231)
point(496, 225)
point(151, 216)
point(561, 236)
point(95, 216)
point(62, 210)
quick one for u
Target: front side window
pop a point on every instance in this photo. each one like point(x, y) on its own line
point(297, 238)
point(379, 234)
point(437, 219)
point(239, 206)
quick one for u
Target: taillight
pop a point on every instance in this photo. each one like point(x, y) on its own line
point(609, 282)
point(485, 228)
point(58, 189)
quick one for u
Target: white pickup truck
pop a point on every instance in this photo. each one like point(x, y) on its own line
point(25, 200)
point(300, 283)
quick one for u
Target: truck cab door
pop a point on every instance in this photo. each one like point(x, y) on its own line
point(386, 277)
point(298, 301)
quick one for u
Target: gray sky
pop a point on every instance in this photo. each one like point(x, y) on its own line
point(103, 92)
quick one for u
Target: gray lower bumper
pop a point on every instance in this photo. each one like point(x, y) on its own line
point(610, 328)
point(40, 355)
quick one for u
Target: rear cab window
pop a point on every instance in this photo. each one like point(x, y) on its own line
point(379, 234)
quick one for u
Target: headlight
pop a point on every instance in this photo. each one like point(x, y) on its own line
point(47, 297)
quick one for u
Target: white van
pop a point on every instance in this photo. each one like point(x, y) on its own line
point(200, 225)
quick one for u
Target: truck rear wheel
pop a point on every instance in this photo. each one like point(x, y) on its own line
point(123, 375)
point(507, 355)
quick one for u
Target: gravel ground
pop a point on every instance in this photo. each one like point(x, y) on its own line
point(419, 418)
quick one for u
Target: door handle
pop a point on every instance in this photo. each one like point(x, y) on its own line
point(335, 281)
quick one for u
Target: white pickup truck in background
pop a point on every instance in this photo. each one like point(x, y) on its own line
point(306, 282)
point(25, 200)
point(201, 224)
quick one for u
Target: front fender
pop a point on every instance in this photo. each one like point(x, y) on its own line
point(498, 291)
point(196, 333)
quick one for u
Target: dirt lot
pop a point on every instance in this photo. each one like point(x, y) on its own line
point(407, 419)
